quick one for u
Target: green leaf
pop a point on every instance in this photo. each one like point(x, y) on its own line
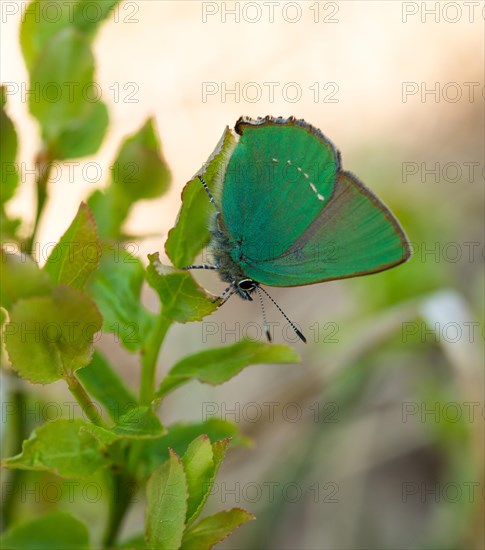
point(8, 228)
point(180, 435)
point(201, 462)
point(56, 47)
point(198, 463)
point(63, 76)
point(76, 255)
point(42, 20)
point(218, 365)
point(21, 278)
point(51, 337)
point(88, 15)
point(138, 423)
point(212, 529)
point(182, 298)
point(166, 505)
point(103, 384)
point(108, 219)
point(190, 233)
point(50, 531)
point(62, 448)
point(36, 31)
point(8, 153)
point(139, 171)
point(82, 137)
point(116, 289)
point(219, 449)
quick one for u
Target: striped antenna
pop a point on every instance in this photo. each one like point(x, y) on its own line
point(265, 321)
point(293, 326)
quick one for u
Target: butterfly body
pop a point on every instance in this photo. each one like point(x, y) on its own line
point(228, 258)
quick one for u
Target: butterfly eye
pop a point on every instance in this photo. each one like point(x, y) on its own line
point(246, 284)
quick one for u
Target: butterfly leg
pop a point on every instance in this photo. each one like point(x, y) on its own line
point(211, 197)
point(227, 293)
point(202, 266)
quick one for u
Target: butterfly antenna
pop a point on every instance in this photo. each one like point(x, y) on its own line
point(265, 321)
point(208, 191)
point(293, 326)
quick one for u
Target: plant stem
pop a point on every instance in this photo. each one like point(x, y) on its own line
point(122, 482)
point(43, 167)
point(18, 430)
point(149, 359)
point(122, 491)
point(84, 400)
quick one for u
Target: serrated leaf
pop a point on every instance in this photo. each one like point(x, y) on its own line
point(166, 505)
point(116, 289)
point(8, 154)
point(190, 233)
point(182, 298)
point(104, 384)
point(212, 529)
point(50, 531)
point(219, 449)
point(50, 337)
point(62, 448)
point(198, 462)
point(21, 278)
point(218, 365)
point(77, 254)
point(63, 73)
point(138, 423)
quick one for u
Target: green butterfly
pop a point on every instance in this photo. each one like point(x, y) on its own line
point(290, 216)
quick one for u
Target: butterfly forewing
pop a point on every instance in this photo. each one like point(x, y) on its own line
point(278, 181)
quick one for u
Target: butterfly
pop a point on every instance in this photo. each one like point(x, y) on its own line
point(290, 216)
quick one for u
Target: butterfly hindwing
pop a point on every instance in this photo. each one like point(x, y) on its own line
point(353, 234)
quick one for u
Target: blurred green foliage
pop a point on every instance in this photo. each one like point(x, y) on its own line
point(397, 363)
point(89, 284)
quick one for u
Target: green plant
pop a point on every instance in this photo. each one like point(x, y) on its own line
point(89, 284)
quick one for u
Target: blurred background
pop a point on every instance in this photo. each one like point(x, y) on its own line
point(376, 440)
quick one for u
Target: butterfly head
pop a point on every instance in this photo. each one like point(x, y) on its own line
point(245, 287)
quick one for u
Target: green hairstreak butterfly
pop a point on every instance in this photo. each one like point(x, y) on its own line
point(288, 215)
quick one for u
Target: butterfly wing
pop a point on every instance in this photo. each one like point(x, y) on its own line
point(277, 180)
point(353, 234)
